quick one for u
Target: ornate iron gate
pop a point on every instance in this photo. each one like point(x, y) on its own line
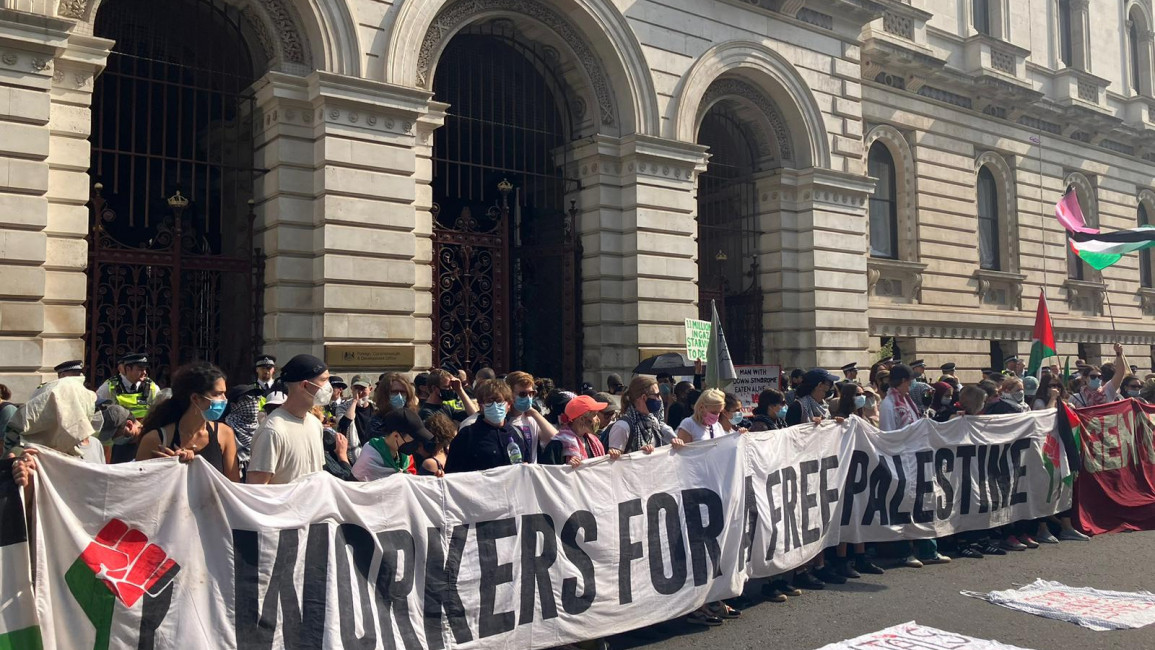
point(470, 259)
point(505, 249)
point(173, 115)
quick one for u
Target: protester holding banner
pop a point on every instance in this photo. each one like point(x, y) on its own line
point(942, 403)
point(534, 428)
point(577, 435)
point(638, 428)
point(288, 445)
point(188, 425)
point(851, 400)
point(1010, 398)
point(489, 442)
point(402, 432)
point(770, 412)
point(704, 423)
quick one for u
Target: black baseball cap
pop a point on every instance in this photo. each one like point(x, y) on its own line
point(405, 422)
point(302, 367)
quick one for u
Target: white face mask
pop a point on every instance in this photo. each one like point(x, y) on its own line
point(323, 395)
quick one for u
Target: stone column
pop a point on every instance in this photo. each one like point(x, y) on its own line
point(812, 258)
point(371, 251)
point(43, 154)
point(283, 198)
point(649, 282)
point(69, 189)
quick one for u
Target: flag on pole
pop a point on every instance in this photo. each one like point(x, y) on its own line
point(1043, 338)
point(1067, 370)
point(1102, 249)
point(719, 366)
point(1068, 212)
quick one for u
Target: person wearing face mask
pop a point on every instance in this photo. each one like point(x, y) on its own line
point(942, 404)
point(392, 452)
point(898, 408)
point(1132, 387)
point(851, 400)
point(444, 389)
point(577, 435)
point(704, 423)
point(639, 428)
point(810, 397)
point(1011, 395)
point(1099, 387)
point(770, 413)
point(434, 454)
point(489, 442)
point(732, 418)
point(288, 445)
point(871, 403)
point(534, 428)
point(188, 424)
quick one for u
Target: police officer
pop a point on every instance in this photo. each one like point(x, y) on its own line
point(266, 367)
point(1010, 365)
point(850, 371)
point(69, 369)
point(919, 389)
point(131, 388)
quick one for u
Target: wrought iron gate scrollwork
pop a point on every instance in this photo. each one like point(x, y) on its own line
point(470, 286)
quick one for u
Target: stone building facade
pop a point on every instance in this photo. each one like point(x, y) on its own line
point(558, 184)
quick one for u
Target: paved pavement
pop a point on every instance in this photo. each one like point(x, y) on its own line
point(930, 596)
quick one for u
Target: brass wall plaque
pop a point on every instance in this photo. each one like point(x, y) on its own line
point(377, 357)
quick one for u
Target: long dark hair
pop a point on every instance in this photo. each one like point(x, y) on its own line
point(846, 394)
point(194, 378)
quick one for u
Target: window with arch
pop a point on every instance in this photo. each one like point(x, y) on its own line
point(981, 16)
point(883, 203)
point(1144, 219)
point(1065, 35)
point(990, 257)
point(1138, 52)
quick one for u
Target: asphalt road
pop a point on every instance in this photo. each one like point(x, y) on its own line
point(930, 596)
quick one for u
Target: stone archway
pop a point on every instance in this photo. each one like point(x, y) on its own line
point(296, 37)
point(600, 43)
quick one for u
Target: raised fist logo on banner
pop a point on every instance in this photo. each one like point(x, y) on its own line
point(119, 563)
point(127, 563)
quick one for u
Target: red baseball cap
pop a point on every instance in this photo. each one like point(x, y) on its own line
point(581, 405)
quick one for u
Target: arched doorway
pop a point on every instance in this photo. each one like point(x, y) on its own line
point(728, 233)
point(505, 251)
point(172, 271)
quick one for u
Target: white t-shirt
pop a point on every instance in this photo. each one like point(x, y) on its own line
point(288, 447)
point(700, 431)
point(529, 430)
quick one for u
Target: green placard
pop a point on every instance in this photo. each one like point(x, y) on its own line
point(697, 339)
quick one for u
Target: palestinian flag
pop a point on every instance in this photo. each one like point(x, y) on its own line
point(1061, 450)
point(1102, 249)
point(1043, 339)
point(19, 629)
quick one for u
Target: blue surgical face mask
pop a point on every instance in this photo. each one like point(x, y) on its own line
point(664, 389)
point(397, 401)
point(859, 401)
point(736, 419)
point(522, 404)
point(1095, 383)
point(654, 405)
point(215, 410)
point(782, 413)
point(495, 413)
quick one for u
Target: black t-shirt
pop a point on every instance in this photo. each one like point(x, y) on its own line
point(425, 410)
point(676, 413)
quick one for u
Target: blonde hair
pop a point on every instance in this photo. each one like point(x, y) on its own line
point(1009, 384)
point(709, 397)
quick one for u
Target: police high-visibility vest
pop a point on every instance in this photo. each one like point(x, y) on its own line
point(137, 403)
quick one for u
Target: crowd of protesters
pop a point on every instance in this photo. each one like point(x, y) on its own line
point(302, 420)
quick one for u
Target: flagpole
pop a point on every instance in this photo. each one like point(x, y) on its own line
point(1107, 295)
point(1038, 140)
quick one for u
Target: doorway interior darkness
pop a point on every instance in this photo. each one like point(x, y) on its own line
point(728, 234)
point(172, 270)
point(505, 249)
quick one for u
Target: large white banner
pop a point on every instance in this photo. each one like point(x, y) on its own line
point(163, 555)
